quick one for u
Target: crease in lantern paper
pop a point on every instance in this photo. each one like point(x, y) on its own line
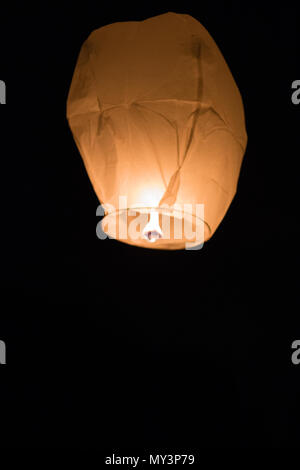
point(172, 187)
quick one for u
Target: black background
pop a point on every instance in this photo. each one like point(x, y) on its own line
point(114, 347)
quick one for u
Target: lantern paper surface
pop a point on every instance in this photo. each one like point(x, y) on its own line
point(159, 123)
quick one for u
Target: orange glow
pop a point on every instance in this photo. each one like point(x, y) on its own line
point(159, 123)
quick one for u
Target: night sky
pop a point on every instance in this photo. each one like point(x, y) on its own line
point(114, 347)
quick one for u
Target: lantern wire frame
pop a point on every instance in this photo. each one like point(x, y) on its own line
point(180, 229)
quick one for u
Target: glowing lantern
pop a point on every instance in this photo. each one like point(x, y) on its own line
point(159, 122)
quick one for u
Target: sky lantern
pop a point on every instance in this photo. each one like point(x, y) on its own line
point(159, 122)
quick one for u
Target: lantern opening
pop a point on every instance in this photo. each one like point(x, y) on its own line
point(166, 227)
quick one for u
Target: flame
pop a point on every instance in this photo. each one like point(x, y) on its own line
point(152, 230)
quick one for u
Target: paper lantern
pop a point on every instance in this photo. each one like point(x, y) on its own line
point(159, 122)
